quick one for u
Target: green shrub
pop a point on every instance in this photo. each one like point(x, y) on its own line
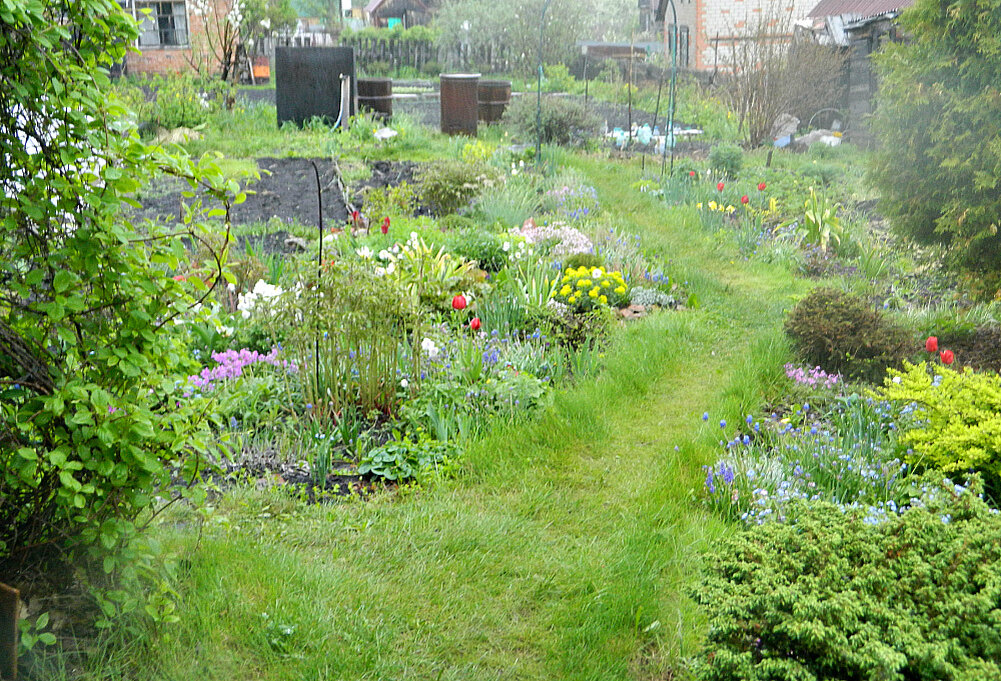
point(396, 201)
point(180, 103)
point(936, 164)
point(842, 333)
point(726, 160)
point(587, 260)
point(949, 419)
point(448, 186)
point(557, 78)
point(94, 430)
point(564, 121)
point(486, 248)
point(432, 69)
point(577, 330)
point(832, 597)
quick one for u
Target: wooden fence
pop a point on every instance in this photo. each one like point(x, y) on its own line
point(424, 54)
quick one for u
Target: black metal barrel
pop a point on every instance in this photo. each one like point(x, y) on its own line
point(459, 110)
point(376, 94)
point(493, 96)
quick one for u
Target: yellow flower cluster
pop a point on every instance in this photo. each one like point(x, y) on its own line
point(717, 207)
point(584, 288)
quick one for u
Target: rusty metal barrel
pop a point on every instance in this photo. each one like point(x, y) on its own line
point(459, 109)
point(376, 94)
point(493, 96)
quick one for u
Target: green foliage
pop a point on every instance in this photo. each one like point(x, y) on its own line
point(482, 24)
point(949, 419)
point(344, 327)
point(93, 425)
point(391, 201)
point(431, 277)
point(585, 260)
point(557, 78)
point(449, 186)
point(402, 459)
point(564, 121)
point(726, 160)
point(842, 333)
point(832, 597)
point(821, 225)
point(488, 250)
point(937, 165)
point(578, 331)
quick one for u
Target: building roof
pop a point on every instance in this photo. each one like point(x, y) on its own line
point(862, 9)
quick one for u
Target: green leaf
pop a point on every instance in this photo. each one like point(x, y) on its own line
point(62, 281)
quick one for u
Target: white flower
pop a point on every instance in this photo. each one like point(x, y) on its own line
point(266, 23)
point(404, 383)
point(596, 273)
point(507, 246)
point(365, 252)
point(429, 348)
point(231, 287)
point(896, 379)
point(385, 255)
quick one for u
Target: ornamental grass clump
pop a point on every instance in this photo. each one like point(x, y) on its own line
point(834, 597)
point(584, 289)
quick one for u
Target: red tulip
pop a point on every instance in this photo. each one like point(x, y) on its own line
point(475, 324)
point(761, 186)
point(744, 200)
point(720, 186)
point(931, 345)
point(385, 225)
point(947, 357)
point(459, 302)
point(178, 277)
point(355, 215)
point(691, 173)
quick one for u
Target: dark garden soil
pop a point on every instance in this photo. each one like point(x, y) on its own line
point(286, 192)
point(268, 469)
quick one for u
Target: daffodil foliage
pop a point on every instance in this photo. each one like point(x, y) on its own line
point(91, 430)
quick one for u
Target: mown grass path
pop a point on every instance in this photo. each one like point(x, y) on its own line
point(563, 551)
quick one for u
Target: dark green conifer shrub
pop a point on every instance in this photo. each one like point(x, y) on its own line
point(833, 597)
point(842, 333)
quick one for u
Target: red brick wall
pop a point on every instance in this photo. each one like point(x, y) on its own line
point(168, 60)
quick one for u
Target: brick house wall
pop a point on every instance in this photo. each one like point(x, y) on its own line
point(170, 59)
point(720, 23)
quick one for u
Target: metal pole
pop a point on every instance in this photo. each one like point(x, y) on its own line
point(670, 106)
point(538, 110)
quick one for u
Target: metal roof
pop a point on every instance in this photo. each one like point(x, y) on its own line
point(859, 8)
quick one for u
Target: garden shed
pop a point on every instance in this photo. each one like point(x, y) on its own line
point(862, 27)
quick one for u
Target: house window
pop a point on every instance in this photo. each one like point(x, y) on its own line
point(166, 25)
